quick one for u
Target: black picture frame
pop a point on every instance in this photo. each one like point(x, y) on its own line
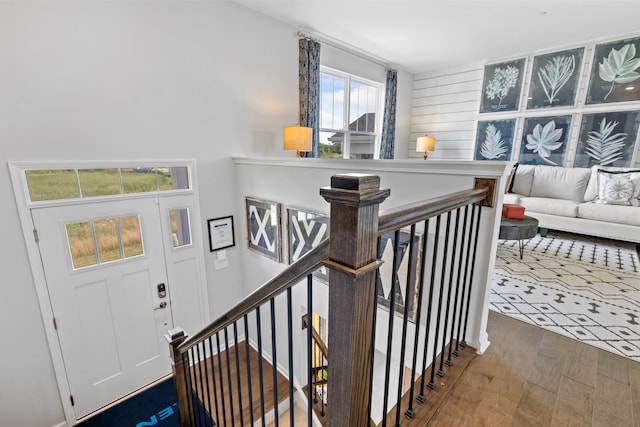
point(264, 233)
point(494, 139)
point(554, 79)
point(609, 79)
point(502, 86)
point(544, 140)
point(596, 135)
point(220, 230)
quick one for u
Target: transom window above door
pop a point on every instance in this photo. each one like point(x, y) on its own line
point(350, 115)
point(59, 184)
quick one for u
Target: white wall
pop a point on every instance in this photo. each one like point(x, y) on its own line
point(129, 80)
point(446, 105)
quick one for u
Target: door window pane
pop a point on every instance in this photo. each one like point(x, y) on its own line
point(52, 184)
point(99, 182)
point(180, 228)
point(81, 247)
point(176, 178)
point(332, 101)
point(108, 240)
point(130, 236)
point(139, 180)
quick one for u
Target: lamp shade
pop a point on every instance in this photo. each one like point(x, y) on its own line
point(297, 138)
point(425, 144)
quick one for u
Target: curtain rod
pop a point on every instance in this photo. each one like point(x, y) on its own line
point(345, 48)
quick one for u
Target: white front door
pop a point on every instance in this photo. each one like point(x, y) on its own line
point(107, 295)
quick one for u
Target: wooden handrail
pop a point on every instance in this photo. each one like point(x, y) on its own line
point(412, 213)
point(297, 271)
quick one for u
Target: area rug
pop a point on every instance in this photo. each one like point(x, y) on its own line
point(582, 287)
point(155, 406)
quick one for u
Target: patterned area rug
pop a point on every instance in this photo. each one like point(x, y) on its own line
point(582, 287)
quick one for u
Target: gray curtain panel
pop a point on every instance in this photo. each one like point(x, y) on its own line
point(389, 119)
point(309, 90)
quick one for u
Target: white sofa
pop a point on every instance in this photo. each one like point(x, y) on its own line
point(567, 199)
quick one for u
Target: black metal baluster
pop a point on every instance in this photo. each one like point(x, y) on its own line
point(232, 413)
point(403, 348)
point(290, 336)
point(221, 381)
point(432, 382)
point(213, 378)
point(392, 310)
point(207, 407)
point(464, 280)
point(200, 385)
point(248, 357)
point(238, 378)
point(436, 240)
point(410, 412)
point(260, 368)
point(309, 349)
point(274, 361)
point(457, 296)
point(186, 357)
point(449, 292)
point(473, 265)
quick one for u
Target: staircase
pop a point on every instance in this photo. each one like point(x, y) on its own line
point(400, 285)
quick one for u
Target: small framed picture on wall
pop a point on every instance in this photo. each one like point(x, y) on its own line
point(544, 140)
point(494, 139)
point(502, 86)
point(263, 227)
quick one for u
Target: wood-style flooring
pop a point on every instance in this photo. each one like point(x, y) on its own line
point(533, 377)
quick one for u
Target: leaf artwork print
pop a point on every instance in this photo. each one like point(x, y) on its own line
point(493, 146)
point(619, 66)
point(555, 74)
point(503, 80)
point(544, 140)
point(604, 147)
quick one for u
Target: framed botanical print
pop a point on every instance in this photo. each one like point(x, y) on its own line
point(544, 140)
point(607, 139)
point(554, 79)
point(501, 86)
point(263, 227)
point(404, 293)
point(494, 139)
point(615, 73)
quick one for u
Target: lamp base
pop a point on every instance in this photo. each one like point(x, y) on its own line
point(425, 155)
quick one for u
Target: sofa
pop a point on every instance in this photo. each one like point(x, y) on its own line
point(595, 201)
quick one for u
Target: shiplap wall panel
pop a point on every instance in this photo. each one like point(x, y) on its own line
point(446, 106)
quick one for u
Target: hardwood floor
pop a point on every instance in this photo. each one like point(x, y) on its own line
point(533, 377)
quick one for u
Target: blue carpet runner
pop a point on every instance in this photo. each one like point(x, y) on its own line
point(155, 406)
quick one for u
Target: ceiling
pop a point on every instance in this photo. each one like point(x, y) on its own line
point(425, 36)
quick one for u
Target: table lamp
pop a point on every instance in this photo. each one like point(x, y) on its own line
point(297, 138)
point(425, 144)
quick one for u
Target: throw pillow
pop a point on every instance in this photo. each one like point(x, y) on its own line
point(619, 188)
point(508, 188)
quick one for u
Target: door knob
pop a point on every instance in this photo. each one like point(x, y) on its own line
point(162, 305)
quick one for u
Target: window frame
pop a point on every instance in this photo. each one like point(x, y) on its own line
point(349, 78)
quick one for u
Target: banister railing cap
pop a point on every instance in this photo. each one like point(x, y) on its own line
point(356, 182)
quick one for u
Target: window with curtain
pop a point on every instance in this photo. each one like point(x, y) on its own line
point(350, 115)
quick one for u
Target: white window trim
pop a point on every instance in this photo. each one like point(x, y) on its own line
point(346, 149)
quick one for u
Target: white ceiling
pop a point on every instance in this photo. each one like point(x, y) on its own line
point(423, 36)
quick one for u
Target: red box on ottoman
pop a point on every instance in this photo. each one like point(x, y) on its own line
point(512, 211)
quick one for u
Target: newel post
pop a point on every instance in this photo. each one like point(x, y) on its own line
point(175, 337)
point(354, 200)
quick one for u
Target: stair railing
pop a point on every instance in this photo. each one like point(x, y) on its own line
point(207, 366)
